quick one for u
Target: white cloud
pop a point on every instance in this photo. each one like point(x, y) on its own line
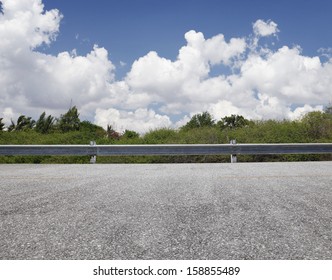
point(156, 92)
point(42, 81)
point(24, 24)
point(176, 84)
point(265, 28)
point(223, 108)
point(140, 120)
point(303, 80)
point(325, 52)
point(8, 115)
point(299, 112)
point(31, 81)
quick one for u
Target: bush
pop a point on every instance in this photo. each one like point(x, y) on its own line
point(161, 136)
point(318, 125)
point(313, 127)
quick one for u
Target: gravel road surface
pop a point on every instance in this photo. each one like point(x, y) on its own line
point(166, 211)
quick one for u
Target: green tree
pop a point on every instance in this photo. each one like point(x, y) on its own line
point(88, 128)
point(70, 121)
point(23, 123)
point(318, 125)
point(233, 121)
point(2, 125)
point(44, 125)
point(130, 134)
point(200, 120)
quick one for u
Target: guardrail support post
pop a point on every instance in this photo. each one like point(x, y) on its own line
point(233, 157)
point(93, 158)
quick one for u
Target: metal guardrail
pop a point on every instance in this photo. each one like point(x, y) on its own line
point(94, 150)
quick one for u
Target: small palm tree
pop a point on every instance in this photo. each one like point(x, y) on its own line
point(23, 123)
point(44, 125)
point(2, 125)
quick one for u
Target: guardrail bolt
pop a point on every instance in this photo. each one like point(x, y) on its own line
point(93, 158)
point(233, 157)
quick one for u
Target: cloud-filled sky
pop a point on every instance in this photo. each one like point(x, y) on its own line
point(145, 64)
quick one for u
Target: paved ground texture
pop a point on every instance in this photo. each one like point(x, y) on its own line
point(166, 211)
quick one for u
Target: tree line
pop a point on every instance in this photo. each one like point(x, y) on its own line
point(46, 124)
point(70, 121)
point(202, 128)
point(317, 124)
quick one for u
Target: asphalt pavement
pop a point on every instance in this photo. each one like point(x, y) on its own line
point(166, 211)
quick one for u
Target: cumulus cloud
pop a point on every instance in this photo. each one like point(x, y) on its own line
point(178, 85)
point(141, 120)
point(265, 28)
point(24, 24)
point(157, 91)
point(31, 80)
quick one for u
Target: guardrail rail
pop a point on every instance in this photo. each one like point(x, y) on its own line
point(233, 149)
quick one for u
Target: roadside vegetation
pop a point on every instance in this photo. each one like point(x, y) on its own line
point(314, 127)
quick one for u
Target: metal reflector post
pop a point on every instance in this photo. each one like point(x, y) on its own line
point(233, 156)
point(93, 158)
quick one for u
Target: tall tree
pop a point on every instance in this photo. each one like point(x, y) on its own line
point(70, 121)
point(44, 125)
point(233, 121)
point(204, 119)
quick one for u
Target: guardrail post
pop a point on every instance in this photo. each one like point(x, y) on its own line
point(233, 156)
point(93, 158)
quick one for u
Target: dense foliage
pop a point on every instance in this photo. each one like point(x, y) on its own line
point(201, 129)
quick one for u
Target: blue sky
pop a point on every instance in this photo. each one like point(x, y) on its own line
point(153, 24)
point(145, 64)
point(129, 29)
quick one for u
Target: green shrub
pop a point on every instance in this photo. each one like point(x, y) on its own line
point(313, 127)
